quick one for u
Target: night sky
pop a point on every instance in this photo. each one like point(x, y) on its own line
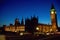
point(11, 9)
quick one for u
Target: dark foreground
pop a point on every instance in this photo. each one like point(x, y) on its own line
point(32, 37)
point(14, 36)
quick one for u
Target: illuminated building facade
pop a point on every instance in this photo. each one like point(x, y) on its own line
point(17, 27)
point(32, 25)
point(49, 28)
point(53, 18)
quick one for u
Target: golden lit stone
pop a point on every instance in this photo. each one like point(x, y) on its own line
point(50, 30)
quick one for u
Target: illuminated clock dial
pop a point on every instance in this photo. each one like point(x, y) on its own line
point(55, 12)
point(52, 12)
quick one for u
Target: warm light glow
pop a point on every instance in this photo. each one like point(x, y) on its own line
point(56, 30)
point(12, 28)
point(15, 31)
point(47, 33)
point(37, 28)
point(52, 12)
point(50, 30)
point(21, 33)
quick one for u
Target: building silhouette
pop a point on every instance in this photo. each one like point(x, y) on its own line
point(32, 25)
point(17, 23)
point(22, 22)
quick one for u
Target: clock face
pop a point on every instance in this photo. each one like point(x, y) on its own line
point(55, 12)
point(52, 12)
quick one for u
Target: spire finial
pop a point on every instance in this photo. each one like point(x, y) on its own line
point(22, 22)
point(52, 7)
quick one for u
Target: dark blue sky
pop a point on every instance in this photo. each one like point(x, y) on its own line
point(11, 9)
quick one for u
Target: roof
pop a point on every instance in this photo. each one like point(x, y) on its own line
point(44, 24)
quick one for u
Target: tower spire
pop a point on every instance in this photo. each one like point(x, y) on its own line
point(17, 23)
point(22, 22)
point(53, 11)
point(53, 18)
point(52, 7)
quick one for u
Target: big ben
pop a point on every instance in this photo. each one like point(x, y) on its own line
point(53, 18)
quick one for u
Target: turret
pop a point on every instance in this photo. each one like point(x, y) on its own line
point(17, 23)
point(22, 22)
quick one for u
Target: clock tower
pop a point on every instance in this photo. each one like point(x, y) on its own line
point(53, 18)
